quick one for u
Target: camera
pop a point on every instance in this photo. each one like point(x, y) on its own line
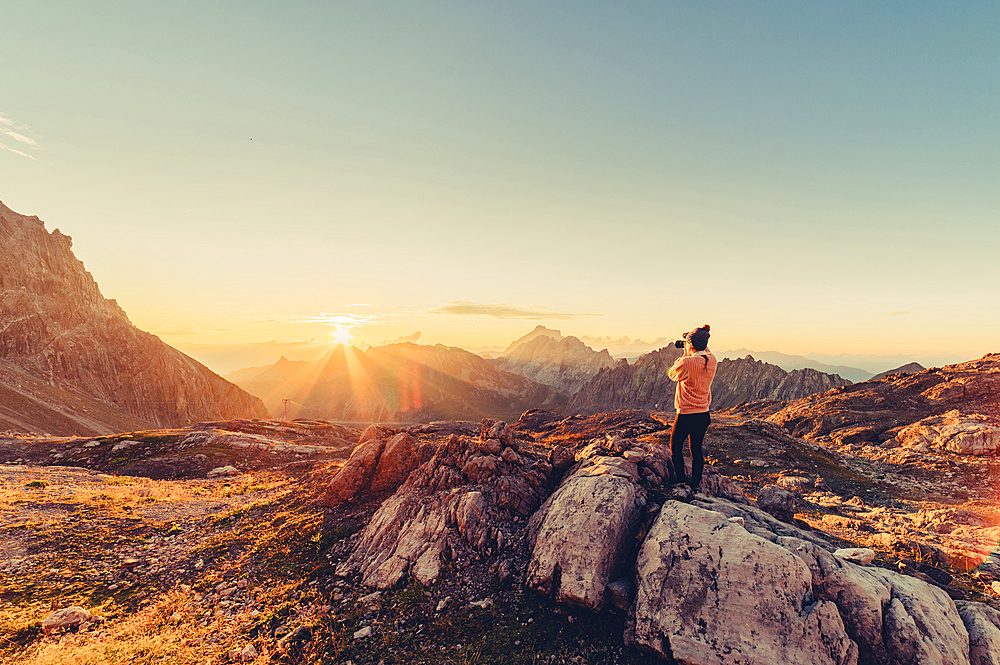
point(679, 344)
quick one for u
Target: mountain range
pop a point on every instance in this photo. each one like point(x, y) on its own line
point(645, 384)
point(71, 362)
point(403, 382)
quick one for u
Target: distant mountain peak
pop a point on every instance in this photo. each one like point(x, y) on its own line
point(539, 331)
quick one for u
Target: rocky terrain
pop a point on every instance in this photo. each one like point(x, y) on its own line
point(59, 336)
point(549, 539)
point(545, 356)
point(398, 383)
point(645, 385)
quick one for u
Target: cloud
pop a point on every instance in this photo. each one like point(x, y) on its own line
point(504, 311)
point(21, 138)
point(5, 130)
point(407, 338)
point(16, 152)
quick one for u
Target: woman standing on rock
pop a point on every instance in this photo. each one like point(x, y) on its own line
point(693, 373)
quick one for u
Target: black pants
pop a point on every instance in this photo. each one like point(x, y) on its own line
point(694, 425)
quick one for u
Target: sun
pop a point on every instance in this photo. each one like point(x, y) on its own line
point(342, 335)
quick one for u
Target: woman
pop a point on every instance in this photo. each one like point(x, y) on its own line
point(693, 373)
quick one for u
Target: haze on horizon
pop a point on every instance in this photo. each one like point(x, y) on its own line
point(250, 182)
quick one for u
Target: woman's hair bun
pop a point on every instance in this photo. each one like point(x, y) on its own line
point(706, 327)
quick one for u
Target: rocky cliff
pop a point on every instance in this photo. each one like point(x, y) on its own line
point(57, 328)
point(545, 356)
point(399, 383)
point(645, 385)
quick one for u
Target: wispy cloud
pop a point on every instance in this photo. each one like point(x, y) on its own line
point(504, 311)
point(7, 127)
point(4, 146)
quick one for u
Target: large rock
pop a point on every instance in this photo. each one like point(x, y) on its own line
point(983, 624)
point(922, 623)
point(399, 458)
point(584, 530)
point(710, 592)
point(356, 474)
point(406, 536)
point(971, 434)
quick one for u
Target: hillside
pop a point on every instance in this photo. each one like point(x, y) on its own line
point(57, 328)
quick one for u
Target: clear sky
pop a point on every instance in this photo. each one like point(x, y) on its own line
point(252, 178)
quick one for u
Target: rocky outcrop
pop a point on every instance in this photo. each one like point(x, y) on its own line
point(399, 383)
point(971, 434)
point(875, 411)
point(645, 384)
point(466, 496)
point(56, 327)
point(563, 363)
point(583, 532)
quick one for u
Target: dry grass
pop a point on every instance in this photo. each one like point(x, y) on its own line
point(161, 633)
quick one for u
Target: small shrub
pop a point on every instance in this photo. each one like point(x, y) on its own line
point(37, 484)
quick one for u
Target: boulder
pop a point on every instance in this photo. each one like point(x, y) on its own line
point(971, 434)
point(710, 592)
point(921, 622)
point(778, 502)
point(859, 555)
point(356, 474)
point(397, 461)
point(221, 471)
point(584, 532)
point(983, 624)
point(67, 617)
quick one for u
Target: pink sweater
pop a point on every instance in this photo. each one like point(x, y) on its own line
point(694, 382)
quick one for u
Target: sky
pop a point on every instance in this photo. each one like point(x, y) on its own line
point(256, 179)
